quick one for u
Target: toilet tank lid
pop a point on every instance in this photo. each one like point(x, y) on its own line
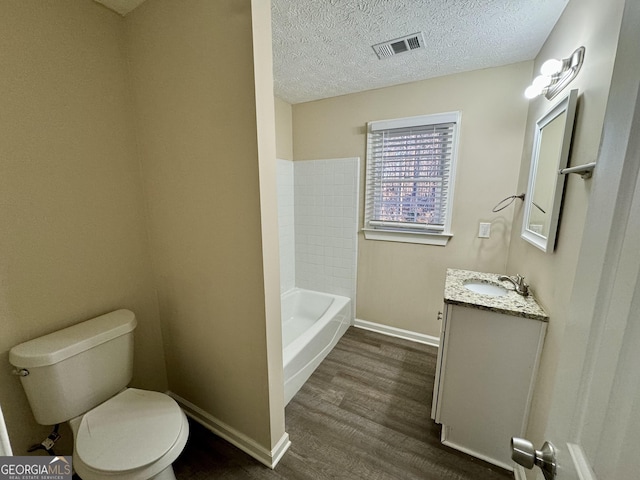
point(57, 346)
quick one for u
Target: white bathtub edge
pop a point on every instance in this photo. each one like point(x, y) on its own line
point(397, 332)
point(269, 458)
point(340, 310)
point(339, 302)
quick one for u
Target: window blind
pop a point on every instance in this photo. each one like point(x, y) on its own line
point(409, 175)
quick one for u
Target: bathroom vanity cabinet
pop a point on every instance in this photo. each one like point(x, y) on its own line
point(486, 369)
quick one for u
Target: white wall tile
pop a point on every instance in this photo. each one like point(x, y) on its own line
point(286, 224)
point(326, 206)
point(317, 216)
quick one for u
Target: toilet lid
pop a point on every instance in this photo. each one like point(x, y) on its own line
point(131, 430)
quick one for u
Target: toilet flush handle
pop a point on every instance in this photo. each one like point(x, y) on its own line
point(21, 372)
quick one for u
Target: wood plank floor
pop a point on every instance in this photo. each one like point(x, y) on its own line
point(363, 414)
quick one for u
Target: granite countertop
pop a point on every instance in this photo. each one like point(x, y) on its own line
point(512, 303)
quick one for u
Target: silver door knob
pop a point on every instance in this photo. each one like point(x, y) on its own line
point(524, 453)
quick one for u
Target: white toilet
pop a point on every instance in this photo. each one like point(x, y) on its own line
point(80, 375)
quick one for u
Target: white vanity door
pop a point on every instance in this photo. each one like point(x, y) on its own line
point(486, 380)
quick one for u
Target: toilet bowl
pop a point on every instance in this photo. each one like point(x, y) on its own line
point(135, 435)
point(80, 375)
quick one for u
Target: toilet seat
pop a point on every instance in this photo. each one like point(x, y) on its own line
point(129, 431)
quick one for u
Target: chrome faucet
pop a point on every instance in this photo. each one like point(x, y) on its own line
point(518, 282)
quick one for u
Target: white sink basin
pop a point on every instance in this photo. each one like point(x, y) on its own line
point(483, 288)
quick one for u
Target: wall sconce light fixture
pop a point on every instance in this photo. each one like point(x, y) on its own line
point(555, 75)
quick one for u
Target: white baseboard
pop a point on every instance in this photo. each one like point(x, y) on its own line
point(519, 473)
point(231, 435)
point(397, 332)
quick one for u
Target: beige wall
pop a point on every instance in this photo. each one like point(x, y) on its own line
point(203, 165)
point(401, 285)
point(596, 26)
point(267, 141)
point(284, 129)
point(73, 242)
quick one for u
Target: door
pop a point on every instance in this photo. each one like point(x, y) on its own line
point(594, 421)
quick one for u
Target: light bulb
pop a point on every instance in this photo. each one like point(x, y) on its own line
point(532, 91)
point(541, 81)
point(551, 67)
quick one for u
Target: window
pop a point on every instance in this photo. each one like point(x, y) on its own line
point(410, 177)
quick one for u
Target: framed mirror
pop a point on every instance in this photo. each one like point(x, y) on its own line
point(551, 145)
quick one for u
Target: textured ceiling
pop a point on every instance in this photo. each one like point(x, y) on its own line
point(322, 48)
point(121, 6)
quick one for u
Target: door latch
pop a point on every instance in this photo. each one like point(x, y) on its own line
point(524, 453)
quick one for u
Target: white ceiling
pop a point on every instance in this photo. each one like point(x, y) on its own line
point(322, 48)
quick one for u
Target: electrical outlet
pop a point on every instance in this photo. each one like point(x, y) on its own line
point(485, 230)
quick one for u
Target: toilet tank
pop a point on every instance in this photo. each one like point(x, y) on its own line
point(75, 369)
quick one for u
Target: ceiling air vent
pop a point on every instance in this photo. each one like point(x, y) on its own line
point(399, 45)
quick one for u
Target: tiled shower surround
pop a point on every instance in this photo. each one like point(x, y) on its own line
point(286, 226)
point(318, 224)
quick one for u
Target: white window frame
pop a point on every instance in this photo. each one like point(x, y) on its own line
point(404, 233)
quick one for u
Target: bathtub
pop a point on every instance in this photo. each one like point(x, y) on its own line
point(312, 324)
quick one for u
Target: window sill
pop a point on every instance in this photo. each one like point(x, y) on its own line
point(423, 238)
